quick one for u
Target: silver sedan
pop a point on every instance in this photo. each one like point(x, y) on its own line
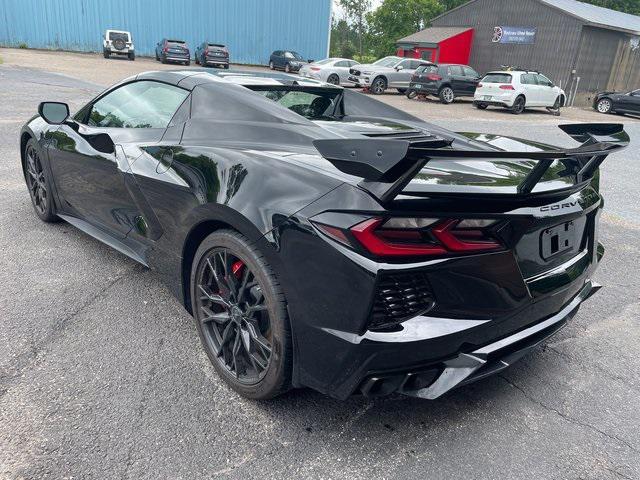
point(330, 70)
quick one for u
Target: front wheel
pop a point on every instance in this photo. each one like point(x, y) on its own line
point(241, 316)
point(604, 105)
point(446, 95)
point(411, 93)
point(378, 86)
point(287, 68)
point(39, 188)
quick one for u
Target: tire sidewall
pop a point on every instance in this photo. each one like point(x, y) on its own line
point(518, 110)
point(602, 100)
point(383, 85)
point(442, 96)
point(278, 374)
point(334, 77)
point(49, 215)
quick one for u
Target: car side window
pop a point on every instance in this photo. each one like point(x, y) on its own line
point(288, 55)
point(143, 104)
point(470, 72)
point(405, 64)
point(342, 63)
point(415, 64)
point(456, 70)
point(528, 79)
point(353, 63)
point(544, 81)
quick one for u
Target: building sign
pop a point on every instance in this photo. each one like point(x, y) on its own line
point(522, 35)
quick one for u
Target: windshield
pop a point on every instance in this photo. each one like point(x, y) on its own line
point(295, 55)
point(387, 61)
point(311, 103)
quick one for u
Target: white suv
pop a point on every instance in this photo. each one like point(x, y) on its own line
point(518, 90)
point(117, 42)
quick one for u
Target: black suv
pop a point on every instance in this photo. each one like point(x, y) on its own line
point(215, 54)
point(447, 81)
point(173, 51)
point(287, 60)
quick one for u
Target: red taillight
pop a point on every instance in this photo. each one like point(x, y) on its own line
point(165, 49)
point(441, 237)
point(434, 77)
point(506, 87)
point(315, 69)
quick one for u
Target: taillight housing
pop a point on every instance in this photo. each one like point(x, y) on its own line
point(315, 69)
point(398, 237)
point(506, 87)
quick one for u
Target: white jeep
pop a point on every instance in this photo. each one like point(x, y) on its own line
point(117, 42)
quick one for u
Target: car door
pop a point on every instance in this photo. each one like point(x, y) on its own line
point(397, 75)
point(341, 68)
point(457, 79)
point(531, 89)
point(89, 177)
point(471, 79)
point(546, 91)
point(629, 102)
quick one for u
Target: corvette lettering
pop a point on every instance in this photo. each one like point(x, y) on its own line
point(558, 206)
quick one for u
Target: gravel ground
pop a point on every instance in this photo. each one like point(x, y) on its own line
point(102, 375)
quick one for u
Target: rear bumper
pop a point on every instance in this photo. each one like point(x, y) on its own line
point(468, 367)
point(177, 58)
point(216, 61)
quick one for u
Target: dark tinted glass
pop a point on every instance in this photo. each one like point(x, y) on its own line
point(497, 78)
point(456, 70)
point(143, 104)
point(314, 104)
point(470, 72)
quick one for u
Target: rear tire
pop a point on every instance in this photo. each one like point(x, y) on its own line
point(38, 184)
point(333, 79)
point(106, 53)
point(187, 63)
point(132, 56)
point(226, 67)
point(287, 68)
point(411, 93)
point(242, 360)
point(163, 59)
point(446, 95)
point(196, 60)
point(519, 105)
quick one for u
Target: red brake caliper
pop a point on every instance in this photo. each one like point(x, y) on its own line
point(236, 268)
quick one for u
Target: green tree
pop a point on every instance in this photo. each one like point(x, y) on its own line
point(343, 39)
point(356, 11)
point(627, 6)
point(395, 19)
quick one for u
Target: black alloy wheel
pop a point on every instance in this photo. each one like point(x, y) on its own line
point(37, 183)
point(333, 79)
point(378, 86)
point(518, 106)
point(241, 316)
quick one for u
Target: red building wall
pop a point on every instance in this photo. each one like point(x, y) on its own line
point(456, 49)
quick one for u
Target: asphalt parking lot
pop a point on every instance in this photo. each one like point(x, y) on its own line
point(102, 375)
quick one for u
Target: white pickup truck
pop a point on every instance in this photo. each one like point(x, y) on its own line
point(118, 42)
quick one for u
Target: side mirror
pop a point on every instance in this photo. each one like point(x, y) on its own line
point(399, 67)
point(54, 113)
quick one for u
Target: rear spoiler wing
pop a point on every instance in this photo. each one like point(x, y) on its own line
point(387, 166)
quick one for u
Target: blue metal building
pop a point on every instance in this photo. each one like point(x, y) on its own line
point(251, 29)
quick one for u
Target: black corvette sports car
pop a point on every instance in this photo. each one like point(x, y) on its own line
point(321, 238)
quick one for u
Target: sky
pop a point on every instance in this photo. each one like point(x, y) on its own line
point(337, 11)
